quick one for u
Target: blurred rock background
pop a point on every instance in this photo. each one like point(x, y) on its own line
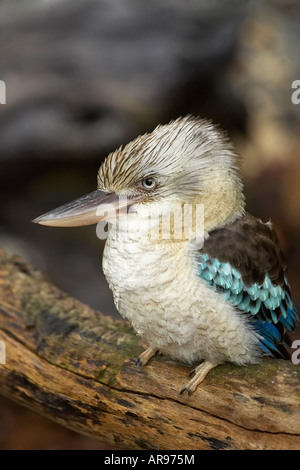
point(83, 77)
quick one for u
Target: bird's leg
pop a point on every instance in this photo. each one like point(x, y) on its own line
point(200, 373)
point(145, 356)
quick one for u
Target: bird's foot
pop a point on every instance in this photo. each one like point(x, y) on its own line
point(145, 356)
point(200, 373)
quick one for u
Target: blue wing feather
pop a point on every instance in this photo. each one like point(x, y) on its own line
point(270, 305)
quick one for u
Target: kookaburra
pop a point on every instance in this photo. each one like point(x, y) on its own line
point(211, 293)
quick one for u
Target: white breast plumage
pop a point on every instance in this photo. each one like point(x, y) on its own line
point(156, 288)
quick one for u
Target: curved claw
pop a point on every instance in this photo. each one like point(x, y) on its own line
point(145, 357)
point(201, 372)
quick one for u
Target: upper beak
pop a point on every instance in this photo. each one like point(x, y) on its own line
point(88, 210)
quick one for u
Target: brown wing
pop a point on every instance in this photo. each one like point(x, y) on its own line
point(252, 247)
point(245, 262)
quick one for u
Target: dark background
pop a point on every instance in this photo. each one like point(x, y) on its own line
point(83, 77)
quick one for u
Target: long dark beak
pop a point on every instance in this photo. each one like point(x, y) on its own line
point(88, 210)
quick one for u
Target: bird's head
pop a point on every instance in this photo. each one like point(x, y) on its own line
point(188, 161)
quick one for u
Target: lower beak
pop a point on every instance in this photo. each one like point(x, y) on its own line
point(88, 210)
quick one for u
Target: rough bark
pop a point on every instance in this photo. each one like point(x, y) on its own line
point(76, 366)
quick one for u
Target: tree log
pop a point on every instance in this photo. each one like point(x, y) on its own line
point(76, 367)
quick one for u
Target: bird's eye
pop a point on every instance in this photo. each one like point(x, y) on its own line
point(149, 183)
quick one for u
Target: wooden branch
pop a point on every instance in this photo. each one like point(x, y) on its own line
point(76, 366)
